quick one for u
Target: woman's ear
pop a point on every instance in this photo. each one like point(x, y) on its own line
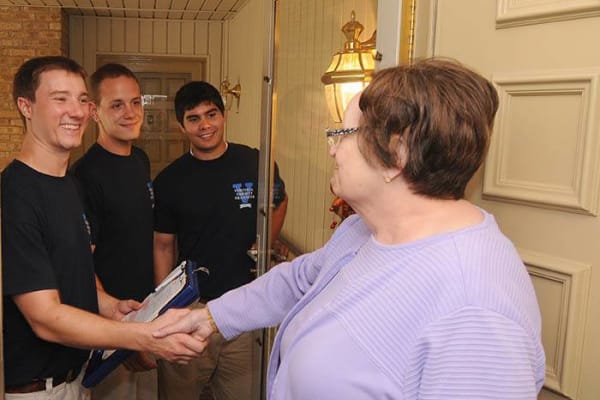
point(398, 146)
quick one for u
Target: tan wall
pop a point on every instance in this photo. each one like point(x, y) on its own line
point(243, 62)
point(308, 35)
point(25, 32)
point(90, 36)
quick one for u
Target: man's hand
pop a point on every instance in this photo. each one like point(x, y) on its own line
point(194, 322)
point(123, 307)
point(175, 345)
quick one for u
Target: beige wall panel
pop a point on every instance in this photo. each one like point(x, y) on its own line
point(104, 35)
point(524, 12)
point(215, 38)
point(76, 31)
point(244, 66)
point(114, 5)
point(309, 34)
point(117, 35)
point(201, 38)
point(146, 36)
point(562, 287)
point(91, 31)
point(147, 5)
point(174, 37)
point(88, 40)
point(159, 37)
point(553, 115)
point(161, 5)
point(187, 37)
point(132, 36)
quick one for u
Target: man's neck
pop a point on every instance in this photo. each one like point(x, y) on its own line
point(118, 147)
point(212, 155)
point(43, 159)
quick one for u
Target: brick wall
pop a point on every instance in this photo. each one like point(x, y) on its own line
point(25, 32)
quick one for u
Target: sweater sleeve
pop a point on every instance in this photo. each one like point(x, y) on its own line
point(265, 301)
point(475, 354)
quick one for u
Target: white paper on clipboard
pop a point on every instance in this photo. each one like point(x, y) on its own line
point(157, 300)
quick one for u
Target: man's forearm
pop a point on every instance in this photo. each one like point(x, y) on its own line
point(164, 256)
point(106, 303)
point(277, 219)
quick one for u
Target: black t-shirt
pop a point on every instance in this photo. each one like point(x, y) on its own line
point(118, 198)
point(211, 207)
point(45, 245)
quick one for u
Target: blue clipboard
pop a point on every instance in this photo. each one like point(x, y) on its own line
point(179, 289)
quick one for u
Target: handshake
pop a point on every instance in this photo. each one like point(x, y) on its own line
point(185, 333)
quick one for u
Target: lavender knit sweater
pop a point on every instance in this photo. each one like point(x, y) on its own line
point(453, 316)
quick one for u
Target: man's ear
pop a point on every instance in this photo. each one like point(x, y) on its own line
point(181, 128)
point(24, 106)
point(94, 111)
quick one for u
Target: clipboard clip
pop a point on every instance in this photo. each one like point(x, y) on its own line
point(202, 269)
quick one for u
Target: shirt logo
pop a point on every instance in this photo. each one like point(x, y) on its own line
point(87, 226)
point(150, 192)
point(244, 193)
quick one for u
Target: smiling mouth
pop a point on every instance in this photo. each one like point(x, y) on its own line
point(206, 135)
point(71, 127)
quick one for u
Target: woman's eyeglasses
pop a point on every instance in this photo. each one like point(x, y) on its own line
point(334, 136)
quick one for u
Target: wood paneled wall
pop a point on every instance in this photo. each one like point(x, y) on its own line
point(309, 33)
point(90, 36)
point(243, 64)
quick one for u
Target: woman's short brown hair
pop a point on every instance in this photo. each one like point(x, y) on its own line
point(443, 113)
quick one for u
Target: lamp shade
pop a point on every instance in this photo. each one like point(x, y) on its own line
point(349, 72)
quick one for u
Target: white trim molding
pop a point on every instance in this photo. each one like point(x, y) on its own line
point(510, 13)
point(565, 284)
point(507, 174)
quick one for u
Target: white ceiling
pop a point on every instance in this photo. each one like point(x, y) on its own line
point(204, 10)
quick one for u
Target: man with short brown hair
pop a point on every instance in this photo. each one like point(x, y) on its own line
point(50, 299)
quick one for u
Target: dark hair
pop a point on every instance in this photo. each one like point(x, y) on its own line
point(108, 71)
point(27, 78)
point(193, 93)
point(443, 113)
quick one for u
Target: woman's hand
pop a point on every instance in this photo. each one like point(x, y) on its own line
point(195, 322)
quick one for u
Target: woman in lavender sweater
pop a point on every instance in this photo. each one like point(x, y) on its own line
point(417, 296)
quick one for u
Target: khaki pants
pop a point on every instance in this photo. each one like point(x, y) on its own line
point(226, 366)
point(122, 384)
point(65, 391)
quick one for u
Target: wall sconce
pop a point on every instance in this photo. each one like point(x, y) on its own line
point(229, 93)
point(350, 70)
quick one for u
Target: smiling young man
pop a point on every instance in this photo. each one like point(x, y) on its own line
point(206, 211)
point(50, 302)
point(118, 199)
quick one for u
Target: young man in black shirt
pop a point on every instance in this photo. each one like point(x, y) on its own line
point(206, 211)
point(50, 298)
point(118, 200)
